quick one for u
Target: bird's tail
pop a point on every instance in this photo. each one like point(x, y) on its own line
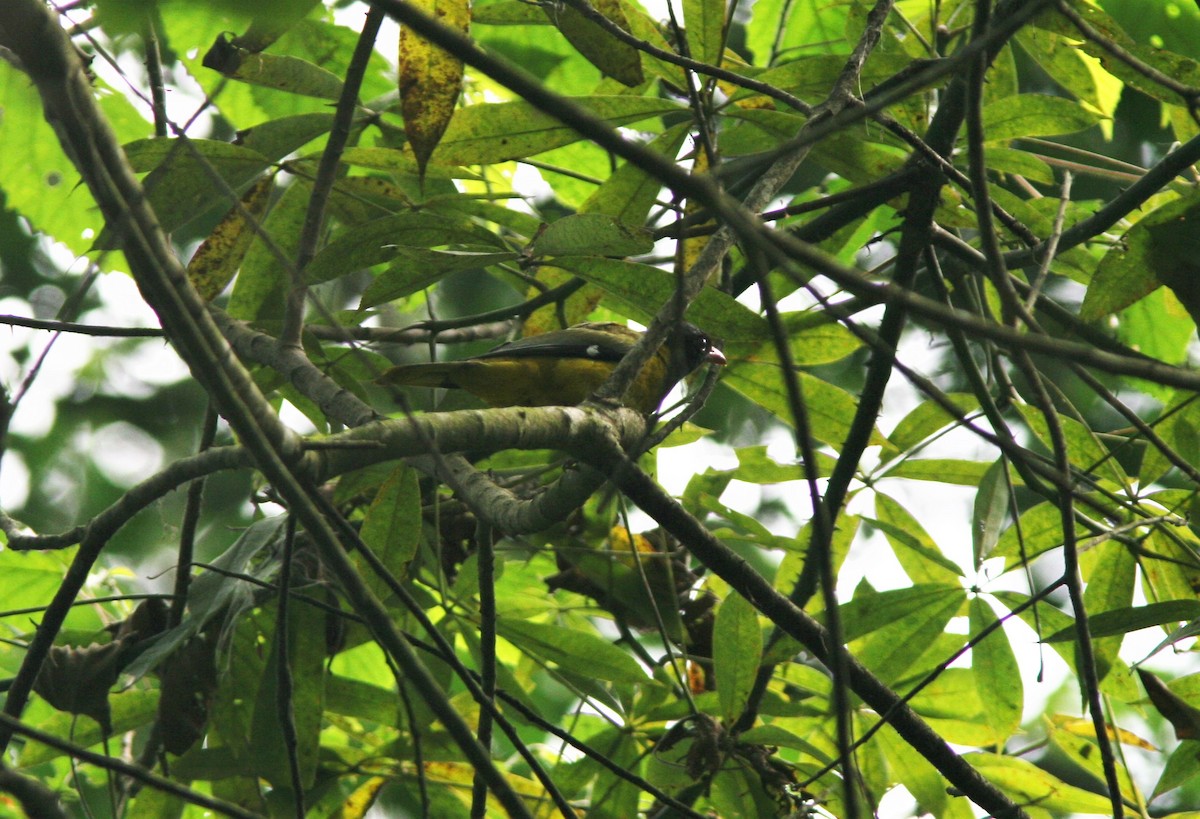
point(435, 374)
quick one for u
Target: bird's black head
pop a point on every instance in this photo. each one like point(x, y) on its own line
point(691, 348)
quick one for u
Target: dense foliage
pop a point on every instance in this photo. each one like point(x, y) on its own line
point(926, 549)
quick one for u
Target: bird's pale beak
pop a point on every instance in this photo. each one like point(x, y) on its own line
point(717, 357)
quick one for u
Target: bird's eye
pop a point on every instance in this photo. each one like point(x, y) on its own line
point(593, 351)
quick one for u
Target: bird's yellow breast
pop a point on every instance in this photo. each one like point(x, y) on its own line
point(542, 382)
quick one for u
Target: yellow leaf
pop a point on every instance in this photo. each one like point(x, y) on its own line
point(219, 256)
point(430, 78)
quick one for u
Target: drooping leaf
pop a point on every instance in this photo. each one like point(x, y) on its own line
point(737, 651)
point(616, 58)
point(216, 261)
point(267, 270)
point(430, 78)
point(392, 527)
point(306, 656)
point(993, 501)
point(1111, 572)
point(997, 674)
point(704, 22)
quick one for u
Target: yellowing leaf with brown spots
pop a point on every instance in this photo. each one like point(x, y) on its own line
point(219, 256)
point(430, 78)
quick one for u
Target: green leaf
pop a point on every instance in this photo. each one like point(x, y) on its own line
point(306, 659)
point(914, 548)
point(1183, 765)
point(1076, 738)
point(1028, 784)
point(1157, 250)
point(258, 290)
point(381, 239)
point(185, 178)
point(870, 611)
point(1033, 115)
point(1178, 425)
point(39, 181)
point(1038, 530)
point(1172, 63)
point(992, 504)
point(889, 652)
point(497, 132)
point(642, 289)
point(575, 650)
point(1062, 61)
point(953, 705)
point(772, 734)
point(915, 773)
point(130, 710)
point(811, 338)
point(276, 138)
point(1011, 161)
point(928, 418)
point(704, 24)
point(830, 408)
point(1111, 571)
point(630, 192)
point(997, 675)
point(398, 162)
point(613, 57)
point(392, 527)
point(1084, 448)
point(737, 652)
point(1133, 618)
point(354, 698)
point(1119, 683)
point(416, 268)
point(1168, 567)
point(941, 470)
point(278, 71)
point(780, 30)
point(1159, 326)
point(591, 234)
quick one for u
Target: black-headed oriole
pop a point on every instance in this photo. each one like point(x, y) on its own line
point(565, 367)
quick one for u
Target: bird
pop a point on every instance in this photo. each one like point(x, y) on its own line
point(565, 367)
